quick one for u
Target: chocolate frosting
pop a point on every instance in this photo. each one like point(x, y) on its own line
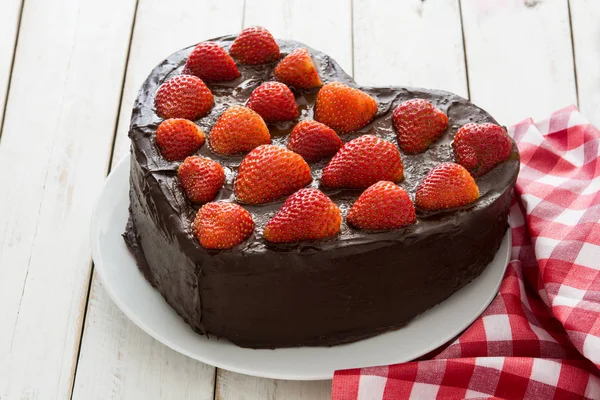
point(353, 286)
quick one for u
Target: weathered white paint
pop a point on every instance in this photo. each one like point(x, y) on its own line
point(409, 43)
point(54, 153)
point(232, 386)
point(585, 18)
point(519, 57)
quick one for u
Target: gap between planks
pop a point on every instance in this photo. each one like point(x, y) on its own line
point(11, 63)
point(108, 169)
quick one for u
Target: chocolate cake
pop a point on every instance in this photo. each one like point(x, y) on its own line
point(352, 286)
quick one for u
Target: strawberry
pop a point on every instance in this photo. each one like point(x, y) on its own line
point(222, 225)
point(255, 45)
point(274, 101)
point(183, 96)
point(362, 162)
point(419, 123)
point(200, 178)
point(314, 140)
point(343, 108)
point(178, 138)
point(384, 205)
point(210, 62)
point(270, 172)
point(307, 214)
point(447, 185)
point(297, 69)
point(238, 130)
point(480, 147)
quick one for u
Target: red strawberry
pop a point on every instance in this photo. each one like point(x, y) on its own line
point(210, 62)
point(270, 172)
point(383, 205)
point(183, 96)
point(178, 138)
point(255, 45)
point(297, 69)
point(238, 130)
point(274, 101)
point(201, 178)
point(419, 123)
point(343, 108)
point(308, 214)
point(314, 140)
point(447, 185)
point(362, 162)
point(480, 147)
point(222, 225)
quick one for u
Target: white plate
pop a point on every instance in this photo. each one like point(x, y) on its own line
point(147, 309)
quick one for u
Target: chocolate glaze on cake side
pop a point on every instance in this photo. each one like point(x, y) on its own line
point(354, 286)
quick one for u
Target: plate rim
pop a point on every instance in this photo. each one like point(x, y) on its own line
point(130, 314)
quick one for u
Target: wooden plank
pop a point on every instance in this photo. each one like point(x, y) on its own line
point(117, 359)
point(10, 14)
point(409, 43)
point(519, 57)
point(296, 20)
point(243, 387)
point(585, 15)
point(54, 152)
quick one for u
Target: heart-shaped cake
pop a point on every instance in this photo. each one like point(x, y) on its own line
point(276, 203)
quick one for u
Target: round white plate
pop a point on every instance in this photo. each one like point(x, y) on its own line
point(147, 309)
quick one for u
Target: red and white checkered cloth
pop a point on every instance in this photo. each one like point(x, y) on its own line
point(540, 337)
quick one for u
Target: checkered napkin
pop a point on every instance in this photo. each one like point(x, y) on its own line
point(540, 337)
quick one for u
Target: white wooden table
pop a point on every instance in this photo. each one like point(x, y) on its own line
point(69, 71)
